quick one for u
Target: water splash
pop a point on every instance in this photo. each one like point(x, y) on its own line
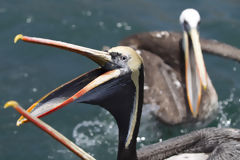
point(123, 25)
point(87, 133)
point(223, 119)
point(87, 13)
point(97, 134)
point(149, 131)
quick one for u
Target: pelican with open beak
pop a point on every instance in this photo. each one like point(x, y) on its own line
point(195, 70)
point(116, 86)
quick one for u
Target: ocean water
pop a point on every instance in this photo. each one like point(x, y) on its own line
point(27, 71)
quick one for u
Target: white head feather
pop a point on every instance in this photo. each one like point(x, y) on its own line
point(191, 16)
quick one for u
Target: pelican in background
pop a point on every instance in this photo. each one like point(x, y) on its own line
point(117, 86)
point(176, 79)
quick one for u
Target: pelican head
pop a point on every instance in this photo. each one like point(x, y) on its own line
point(195, 70)
point(189, 18)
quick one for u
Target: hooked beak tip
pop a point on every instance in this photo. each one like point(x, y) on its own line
point(12, 103)
point(18, 37)
point(15, 105)
point(19, 123)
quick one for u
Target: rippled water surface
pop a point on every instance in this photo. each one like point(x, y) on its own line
point(27, 71)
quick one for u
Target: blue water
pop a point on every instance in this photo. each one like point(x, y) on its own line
point(27, 71)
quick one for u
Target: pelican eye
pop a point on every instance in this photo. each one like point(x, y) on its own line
point(185, 24)
point(199, 22)
point(124, 58)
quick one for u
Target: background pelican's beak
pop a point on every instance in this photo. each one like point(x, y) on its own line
point(195, 70)
point(75, 88)
point(194, 35)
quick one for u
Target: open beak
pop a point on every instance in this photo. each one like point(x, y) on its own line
point(74, 89)
point(195, 70)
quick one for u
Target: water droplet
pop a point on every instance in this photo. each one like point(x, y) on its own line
point(234, 68)
point(50, 157)
point(101, 23)
point(34, 89)
point(29, 19)
point(228, 122)
point(128, 28)
point(73, 26)
point(88, 13)
point(3, 10)
point(143, 138)
point(119, 25)
point(25, 75)
point(138, 139)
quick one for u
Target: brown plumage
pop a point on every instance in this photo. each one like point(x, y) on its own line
point(165, 74)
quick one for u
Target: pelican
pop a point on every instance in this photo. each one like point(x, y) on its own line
point(118, 86)
point(176, 79)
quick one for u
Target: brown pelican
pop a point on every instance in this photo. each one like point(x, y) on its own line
point(117, 86)
point(175, 74)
